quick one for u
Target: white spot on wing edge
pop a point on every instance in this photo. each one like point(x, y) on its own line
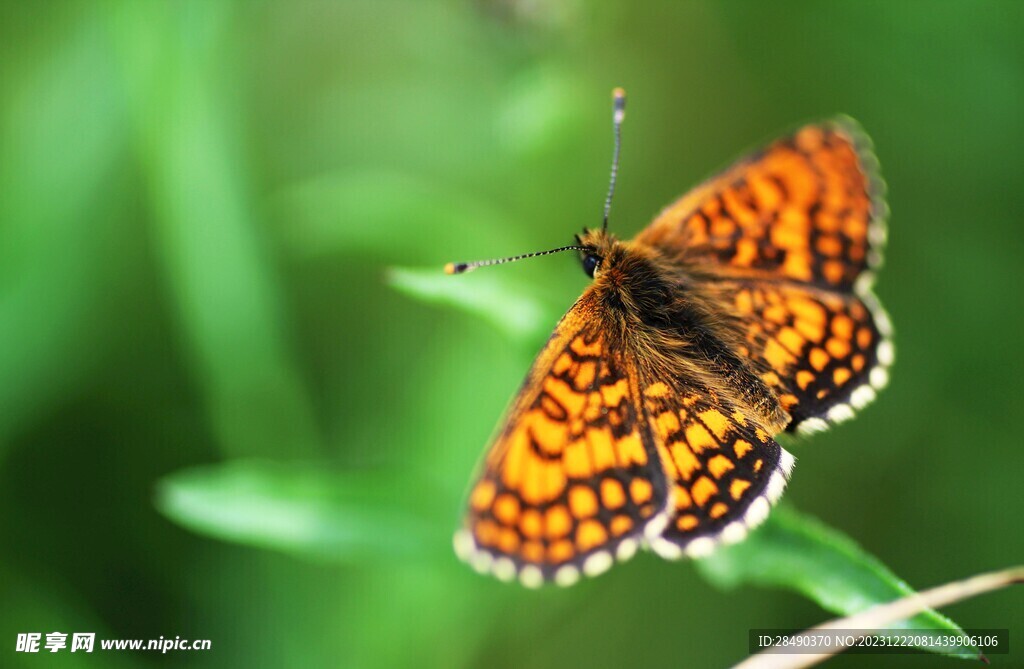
point(864, 283)
point(702, 547)
point(656, 525)
point(464, 544)
point(882, 321)
point(878, 376)
point(756, 513)
point(481, 562)
point(786, 462)
point(626, 550)
point(886, 353)
point(531, 576)
point(598, 563)
point(840, 413)
point(504, 569)
point(862, 396)
point(811, 425)
point(666, 548)
point(776, 486)
point(567, 575)
point(734, 532)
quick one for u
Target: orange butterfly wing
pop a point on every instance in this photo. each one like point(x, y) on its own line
point(786, 238)
point(574, 479)
point(724, 470)
point(825, 354)
point(806, 208)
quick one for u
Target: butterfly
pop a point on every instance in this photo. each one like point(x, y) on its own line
point(744, 310)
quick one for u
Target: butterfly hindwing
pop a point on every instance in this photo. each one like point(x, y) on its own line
point(574, 479)
point(724, 470)
point(825, 354)
point(806, 208)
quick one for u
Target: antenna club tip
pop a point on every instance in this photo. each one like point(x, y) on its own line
point(455, 268)
point(619, 104)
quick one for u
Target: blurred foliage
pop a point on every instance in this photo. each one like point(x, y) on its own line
point(199, 204)
point(304, 511)
point(511, 308)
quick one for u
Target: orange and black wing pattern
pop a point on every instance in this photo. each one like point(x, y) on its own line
point(574, 480)
point(724, 471)
point(806, 208)
point(787, 239)
point(824, 353)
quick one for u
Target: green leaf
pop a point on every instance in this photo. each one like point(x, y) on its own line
point(505, 303)
point(302, 510)
point(795, 551)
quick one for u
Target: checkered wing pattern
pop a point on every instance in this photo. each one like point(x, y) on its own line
point(806, 208)
point(724, 470)
point(574, 480)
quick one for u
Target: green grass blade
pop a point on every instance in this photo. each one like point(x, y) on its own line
point(797, 552)
point(56, 274)
point(304, 511)
point(229, 296)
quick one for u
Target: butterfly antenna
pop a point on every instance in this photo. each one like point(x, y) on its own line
point(618, 113)
point(460, 267)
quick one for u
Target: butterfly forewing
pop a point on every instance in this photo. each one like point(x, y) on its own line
point(574, 478)
point(789, 236)
point(806, 208)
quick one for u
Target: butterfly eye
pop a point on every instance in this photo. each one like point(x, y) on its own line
point(590, 264)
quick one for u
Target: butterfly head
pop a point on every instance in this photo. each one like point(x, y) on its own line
point(599, 249)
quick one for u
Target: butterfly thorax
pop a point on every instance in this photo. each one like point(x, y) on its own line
point(661, 311)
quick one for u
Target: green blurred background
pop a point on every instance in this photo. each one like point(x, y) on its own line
point(218, 420)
